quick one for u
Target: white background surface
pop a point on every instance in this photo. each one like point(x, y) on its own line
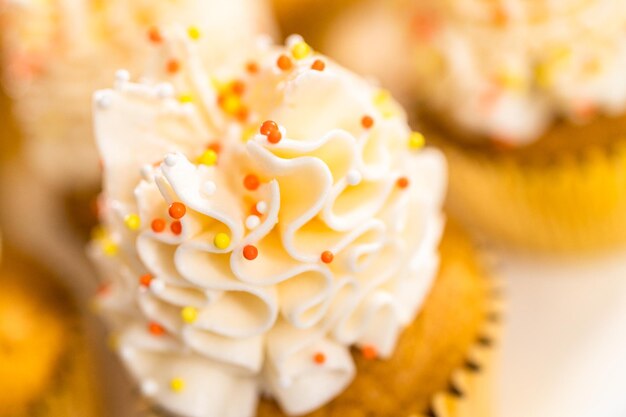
point(564, 344)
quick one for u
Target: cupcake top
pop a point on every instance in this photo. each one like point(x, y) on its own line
point(258, 222)
point(62, 50)
point(507, 69)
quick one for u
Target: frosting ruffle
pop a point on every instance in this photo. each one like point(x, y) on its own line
point(298, 238)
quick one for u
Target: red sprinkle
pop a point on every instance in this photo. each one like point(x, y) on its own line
point(367, 122)
point(176, 227)
point(327, 257)
point(319, 358)
point(251, 182)
point(369, 352)
point(177, 210)
point(403, 182)
point(156, 329)
point(158, 225)
point(145, 280)
point(173, 66)
point(154, 35)
point(250, 252)
point(318, 65)
point(284, 63)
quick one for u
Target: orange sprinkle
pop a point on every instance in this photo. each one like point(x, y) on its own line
point(327, 256)
point(242, 113)
point(238, 87)
point(367, 122)
point(250, 252)
point(177, 210)
point(158, 225)
point(402, 182)
point(103, 288)
point(156, 329)
point(252, 67)
point(215, 147)
point(319, 358)
point(251, 182)
point(284, 63)
point(176, 227)
point(369, 352)
point(145, 280)
point(154, 35)
point(173, 66)
point(275, 136)
point(318, 65)
point(268, 127)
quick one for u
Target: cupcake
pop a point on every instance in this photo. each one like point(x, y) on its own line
point(528, 100)
point(45, 364)
point(56, 53)
point(272, 243)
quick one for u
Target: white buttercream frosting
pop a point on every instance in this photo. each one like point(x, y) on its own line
point(57, 52)
point(291, 250)
point(505, 69)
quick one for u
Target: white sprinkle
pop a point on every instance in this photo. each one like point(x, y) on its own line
point(157, 285)
point(104, 99)
point(165, 90)
point(149, 387)
point(261, 207)
point(354, 177)
point(122, 75)
point(252, 222)
point(208, 188)
point(171, 160)
point(285, 381)
point(147, 172)
point(127, 352)
point(293, 39)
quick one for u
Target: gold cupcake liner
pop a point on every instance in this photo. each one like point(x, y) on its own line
point(556, 201)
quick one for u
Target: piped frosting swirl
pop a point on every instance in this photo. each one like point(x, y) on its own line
point(258, 221)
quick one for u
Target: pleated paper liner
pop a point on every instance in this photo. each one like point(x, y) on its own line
point(48, 367)
point(564, 193)
point(455, 369)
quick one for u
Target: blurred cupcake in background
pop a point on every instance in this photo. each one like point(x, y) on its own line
point(528, 100)
point(273, 244)
point(57, 52)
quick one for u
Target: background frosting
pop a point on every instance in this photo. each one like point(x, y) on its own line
point(245, 257)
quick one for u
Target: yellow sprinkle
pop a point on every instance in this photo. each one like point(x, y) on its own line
point(221, 241)
point(231, 104)
point(209, 158)
point(416, 140)
point(109, 248)
point(300, 50)
point(185, 98)
point(132, 221)
point(189, 314)
point(98, 233)
point(381, 97)
point(177, 384)
point(194, 33)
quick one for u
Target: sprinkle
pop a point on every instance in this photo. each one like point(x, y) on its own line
point(252, 67)
point(194, 33)
point(109, 248)
point(176, 227)
point(145, 280)
point(208, 158)
point(327, 257)
point(381, 97)
point(103, 99)
point(156, 329)
point(230, 103)
point(157, 285)
point(416, 140)
point(238, 87)
point(261, 207)
point(252, 222)
point(122, 75)
point(284, 63)
point(300, 50)
point(251, 182)
point(172, 66)
point(149, 388)
point(319, 358)
point(132, 222)
point(189, 314)
point(250, 252)
point(268, 127)
point(103, 289)
point(165, 90)
point(185, 98)
point(367, 122)
point(318, 65)
point(369, 352)
point(177, 210)
point(402, 182)
point(209, 188)
point(154, 35)
point(158, 225)
point(274, 136)
point(354, 177)
point(242, 113)
point(177, 384)
point(221, 240)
